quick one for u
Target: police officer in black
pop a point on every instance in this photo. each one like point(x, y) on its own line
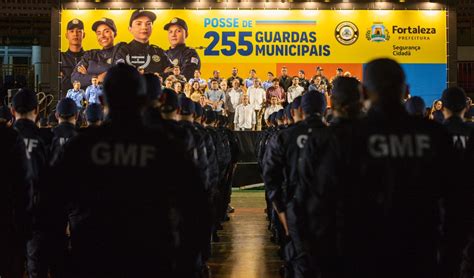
point(280, 174)
point(373, 204)
point(346, 101)
point(16, 178)
point(25, 111)
point(96, 62)
point(461, 196)
point(213, 170)
point(66, 112)
point(69, 59)
point(180, 55)
point(129, 218)
point(94, 115)
point(139, 53)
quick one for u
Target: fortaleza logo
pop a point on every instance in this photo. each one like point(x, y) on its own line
point(377, 33)
point(414, 33)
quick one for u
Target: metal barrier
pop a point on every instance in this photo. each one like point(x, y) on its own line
point(20, 73)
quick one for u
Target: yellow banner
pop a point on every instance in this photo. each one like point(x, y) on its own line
point(289, 36)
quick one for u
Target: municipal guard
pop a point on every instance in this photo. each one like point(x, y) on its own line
point(96, 62)
point(66, 112)
point(280, 174)
point(134, 188)
point(69, 59)
point(16, 178)
point(94, 115)
point(25, 111)
point(180, 55)
point(461, 197)
point(139, 53)
point(373, 201)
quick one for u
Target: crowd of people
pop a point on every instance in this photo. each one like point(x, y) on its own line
point(360, 182)
point(377, 187)
point(141, 193)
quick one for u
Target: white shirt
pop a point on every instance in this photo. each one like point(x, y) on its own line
point(257, 97)
point(294, 92)
point(271, 109)
point(233, 99)
point(244, 116)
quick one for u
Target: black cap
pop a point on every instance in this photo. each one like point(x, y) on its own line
point(415, 106)
point(288, 112)
point(66, 107)
point(153, 86)
point(168, 101)
point(319, 68)
point(25, 101)
point(454, 99)
point(296, 104)
point(94, 112)
point(124, 87)
point(280, 115)
point(5, 113)
point(139, 13)
point(210, 115)
point(75, 23)
point(339, 69)
point(186, 106)
point(198, 109)
point(313, 102)
point(272, 118)
point(107, 21)
point(177, 21)
point(345, 90)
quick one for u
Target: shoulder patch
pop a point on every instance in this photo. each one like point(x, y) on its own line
point(194, 60)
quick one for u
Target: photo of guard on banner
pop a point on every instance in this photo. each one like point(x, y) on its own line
point(146, 57)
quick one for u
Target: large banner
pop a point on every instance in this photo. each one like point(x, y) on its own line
point(267, 40)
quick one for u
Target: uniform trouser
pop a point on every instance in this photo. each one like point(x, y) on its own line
point(231, 116)
point(12, 256)
point(296, 262)
point(46, 252)
point(467, 265)
point(259, 116)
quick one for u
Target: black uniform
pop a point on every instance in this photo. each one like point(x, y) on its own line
point(213, 170)
point(280, 175)
point(14, 170)
point(231, 79)
point(186, 58)
point(372, 201)
point(459, 201)
point(69, 61)
point(96, 61)
point(304, 83)
point(37, 154)
point(281, 158)
point(201, 152)
point(285, 82)
point(62, 133)
point(149, 57)
point(130, 217)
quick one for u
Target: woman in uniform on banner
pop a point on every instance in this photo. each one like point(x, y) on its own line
point(139, 53)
